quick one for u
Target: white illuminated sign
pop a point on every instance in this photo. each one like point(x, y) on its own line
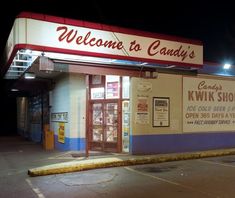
point(63, 38)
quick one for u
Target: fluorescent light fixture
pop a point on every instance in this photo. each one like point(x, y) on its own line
point(227, 66)
point(29, 76)
point(144, 63)
point(14, 89)
point(28, 51)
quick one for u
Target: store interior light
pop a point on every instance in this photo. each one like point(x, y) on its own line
point(29, 75)
point(227, 66)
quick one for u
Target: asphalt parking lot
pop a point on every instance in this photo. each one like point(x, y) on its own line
point(196, 178)
point(208, 177)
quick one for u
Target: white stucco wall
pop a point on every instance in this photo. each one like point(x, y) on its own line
point(69, 95)
point(77, 88)
point(165, 85)
point(60, 101)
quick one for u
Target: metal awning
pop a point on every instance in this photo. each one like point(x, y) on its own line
point(25, 58)
point(22, 61)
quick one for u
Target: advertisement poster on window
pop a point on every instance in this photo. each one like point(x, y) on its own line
point(96, 79)
point(209, 105)
point(97, 93)
point(125, 125)
point(142, 113)
point(61, 132)
point(161, 106)
point(112, 90)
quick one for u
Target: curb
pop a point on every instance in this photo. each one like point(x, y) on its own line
point(89, 164)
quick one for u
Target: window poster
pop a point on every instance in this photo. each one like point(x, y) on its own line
point(161, 112)
point(96, 79)
point(125, 126)
point(112, 90)
point(61, 132)
point(97, 93)
point(142, 111)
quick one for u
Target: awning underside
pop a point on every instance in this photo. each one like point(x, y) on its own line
point(25, 58)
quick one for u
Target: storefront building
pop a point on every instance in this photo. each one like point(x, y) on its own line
point(112, 89)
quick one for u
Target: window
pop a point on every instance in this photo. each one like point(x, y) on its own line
point(112, 87)
point(97, 93)
point(125, 87)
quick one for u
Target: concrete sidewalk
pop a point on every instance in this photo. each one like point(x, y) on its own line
point(121, 160)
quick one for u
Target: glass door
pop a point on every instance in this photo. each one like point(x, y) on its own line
point(109, 126)
point(104, 126)
point(111, 121)
point(97, 122)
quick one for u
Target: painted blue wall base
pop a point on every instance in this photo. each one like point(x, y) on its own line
point(173, 143)
point(70, 144)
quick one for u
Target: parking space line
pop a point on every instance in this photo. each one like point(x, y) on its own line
point(170, 182)
point(36, 190)
point(216, 163)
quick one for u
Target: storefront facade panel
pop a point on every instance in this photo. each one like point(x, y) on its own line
point(202, 120)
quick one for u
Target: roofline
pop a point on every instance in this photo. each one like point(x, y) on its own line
point(105, 27)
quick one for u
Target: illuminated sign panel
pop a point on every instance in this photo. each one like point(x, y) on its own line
point(53, 36)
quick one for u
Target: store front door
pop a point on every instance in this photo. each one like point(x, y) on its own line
point(108, 124)
point(104, 126)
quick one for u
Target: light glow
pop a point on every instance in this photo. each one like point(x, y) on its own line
point(29, 76)
point(227, 66)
